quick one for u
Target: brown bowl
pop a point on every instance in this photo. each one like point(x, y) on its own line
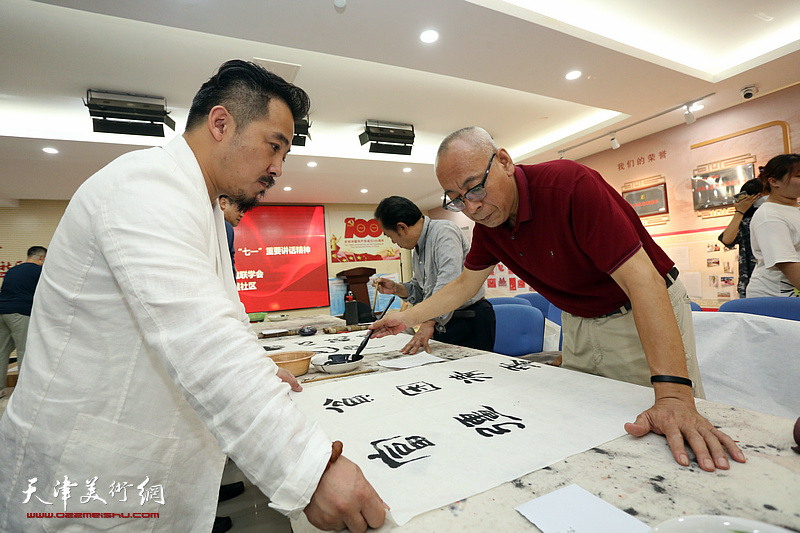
point(295, 362)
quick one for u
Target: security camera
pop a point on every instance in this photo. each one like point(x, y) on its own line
point(749, 92)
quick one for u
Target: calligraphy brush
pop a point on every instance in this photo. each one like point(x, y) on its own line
point(369, 334)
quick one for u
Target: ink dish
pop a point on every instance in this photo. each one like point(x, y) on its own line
point(335, 363)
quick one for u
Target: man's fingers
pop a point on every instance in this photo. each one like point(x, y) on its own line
point(375, 512)
point(733, 449)
point(640, 427)
point(697, 443)
point(355, 523)
point(675, 441)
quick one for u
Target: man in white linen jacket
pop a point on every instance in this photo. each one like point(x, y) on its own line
point(142, 371)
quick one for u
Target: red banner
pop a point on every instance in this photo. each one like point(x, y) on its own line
point(281, 258)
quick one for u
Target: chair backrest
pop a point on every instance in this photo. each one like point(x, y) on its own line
point(695, 307)
point(554, 314)
point(500, 300)
point(536, 300)
point(519, 330)
point(774, 306)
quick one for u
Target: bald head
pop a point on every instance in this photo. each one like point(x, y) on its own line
point(469, 158)
point(471, 139)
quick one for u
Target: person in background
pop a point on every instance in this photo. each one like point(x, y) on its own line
point(565, 231)
point(16, 301)
point(749, 198)
point(141, 364)
point(233, 214)
point(775, 230)
point(439, 248)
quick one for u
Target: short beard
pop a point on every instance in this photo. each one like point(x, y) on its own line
point(245, 203)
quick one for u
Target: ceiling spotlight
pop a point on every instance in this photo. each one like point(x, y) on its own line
point(128, 114)
point(574, 75)
point(311, 164)
point(688, 116)
point(614, 142)
point(388, 137)
point(697, 106)
point(429, 36)
point(49, 150)
point(364, 191)
point(407, 169)
point(561, 154)
point(287, 188)
point(339, 5)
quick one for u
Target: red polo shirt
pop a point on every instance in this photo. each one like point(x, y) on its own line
point(572, 231)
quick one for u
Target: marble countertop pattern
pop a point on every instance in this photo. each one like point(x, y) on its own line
point(638, 476)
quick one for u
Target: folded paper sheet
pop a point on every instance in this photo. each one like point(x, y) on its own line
point(429, 436)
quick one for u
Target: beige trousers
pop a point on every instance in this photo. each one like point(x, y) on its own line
point(610, 346)
point(13, 334)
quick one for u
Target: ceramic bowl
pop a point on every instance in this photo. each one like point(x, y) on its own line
point(256, 317)
point(322, 363)
point(715, 524)
point(277, 318)
point(295, 362)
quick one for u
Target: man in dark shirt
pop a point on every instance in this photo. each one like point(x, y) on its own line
point(16, 300)
point(565, 231)
point(233, 213)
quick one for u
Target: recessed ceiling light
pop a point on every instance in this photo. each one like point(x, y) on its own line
point(364, 190)
point(311, 164)
point(573, 75)
point(287, 188)
point(429, 36)
point(407, 169)
point(49, 150)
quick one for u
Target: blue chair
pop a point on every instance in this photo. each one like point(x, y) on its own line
point(537, 300)
point(695, 307)
point(554, 314)
point(519, 330)
point(508, 301)
point(774, 306)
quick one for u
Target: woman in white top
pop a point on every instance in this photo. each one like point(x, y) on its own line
point(775, 230)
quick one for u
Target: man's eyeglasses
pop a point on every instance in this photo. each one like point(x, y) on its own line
point(475, 194)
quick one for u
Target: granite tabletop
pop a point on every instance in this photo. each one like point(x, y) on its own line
point(638, 476)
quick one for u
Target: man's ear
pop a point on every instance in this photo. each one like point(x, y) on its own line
point(223, 203)
point(402, 228)
point(220, 122)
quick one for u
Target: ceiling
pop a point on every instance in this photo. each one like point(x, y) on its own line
point(499, 64)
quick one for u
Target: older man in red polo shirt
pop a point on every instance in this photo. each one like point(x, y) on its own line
point(560, 227)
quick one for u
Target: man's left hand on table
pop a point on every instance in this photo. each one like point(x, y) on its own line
point(420, 338)
point(678, 420)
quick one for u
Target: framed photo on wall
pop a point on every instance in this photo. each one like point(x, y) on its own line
point(716, 188)
point(649, 200)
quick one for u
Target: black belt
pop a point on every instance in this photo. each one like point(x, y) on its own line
point(467, 312)
point(669, 279)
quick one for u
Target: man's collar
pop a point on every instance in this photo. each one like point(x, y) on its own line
point(426, 222)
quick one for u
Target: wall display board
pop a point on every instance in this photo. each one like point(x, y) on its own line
point(715, 188)
point(708, 269)
point(427, 437)
point(281, 258)
point(356, 236)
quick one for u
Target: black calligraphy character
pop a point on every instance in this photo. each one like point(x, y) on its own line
point(488, 414)
point(392, 451)
point(336, 405)
point(517, 365)
point(418, 387)
point(473, 376)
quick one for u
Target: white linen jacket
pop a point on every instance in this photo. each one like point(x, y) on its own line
point(141, 367)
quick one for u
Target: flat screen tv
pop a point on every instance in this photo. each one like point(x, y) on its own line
point(281, 258)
